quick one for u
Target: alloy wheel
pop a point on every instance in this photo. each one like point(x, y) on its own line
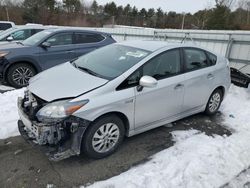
point(21, 75)
point(214, 102)
point(105, 138)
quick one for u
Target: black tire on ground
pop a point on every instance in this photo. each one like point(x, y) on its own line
point(217, 94)
point(87, 145)
point(12, 70)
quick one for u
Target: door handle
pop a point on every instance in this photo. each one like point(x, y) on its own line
point(210, 76)
point(179, 86)
point(70, 51)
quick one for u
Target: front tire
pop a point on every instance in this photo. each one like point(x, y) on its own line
point(214, 102)
point(103, 137)
point(19, 74)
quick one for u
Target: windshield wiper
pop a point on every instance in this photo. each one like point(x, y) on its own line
point(88, 71)
point(18, 42)
point(73, 61)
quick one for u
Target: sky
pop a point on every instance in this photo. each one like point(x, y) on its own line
point(179, 6)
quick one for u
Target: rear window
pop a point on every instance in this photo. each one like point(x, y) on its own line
point(4, 26)
point(81, 38)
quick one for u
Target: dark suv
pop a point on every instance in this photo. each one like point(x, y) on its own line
point(20, 61)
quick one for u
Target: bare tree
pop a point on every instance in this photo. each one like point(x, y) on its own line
point(244, 4)
point(227, 3)
point(11, 2)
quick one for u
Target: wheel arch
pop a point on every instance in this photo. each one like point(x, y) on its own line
point(222, 88)
point(37, 68)
point(121, 115)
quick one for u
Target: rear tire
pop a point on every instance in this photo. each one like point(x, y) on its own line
point(103, 137)
point(19, 74)
point(214, 102)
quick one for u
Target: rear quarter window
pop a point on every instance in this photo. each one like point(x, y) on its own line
point(195, 59)
point(212, 58)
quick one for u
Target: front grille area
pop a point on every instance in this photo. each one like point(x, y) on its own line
point(32, 104)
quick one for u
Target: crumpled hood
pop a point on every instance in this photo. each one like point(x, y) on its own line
point(63, 81)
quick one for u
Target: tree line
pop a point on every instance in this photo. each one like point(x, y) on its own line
point(78, 13)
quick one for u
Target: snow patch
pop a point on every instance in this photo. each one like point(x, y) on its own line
point(179, 136)
point(243, 180)
point(197, 160)
point(8, 113)
point(6, 88)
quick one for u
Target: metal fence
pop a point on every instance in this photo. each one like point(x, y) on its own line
point(235, 45)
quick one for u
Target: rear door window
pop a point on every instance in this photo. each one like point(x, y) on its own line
point(195, 59)
point(81, 38)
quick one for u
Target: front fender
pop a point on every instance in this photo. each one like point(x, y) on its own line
point(28, 60)
point(125, 108)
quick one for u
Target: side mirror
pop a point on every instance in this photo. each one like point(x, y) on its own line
point(45, 45)
point(148, 81)
point(10, 38)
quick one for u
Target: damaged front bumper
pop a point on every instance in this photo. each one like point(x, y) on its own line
point(58, 140)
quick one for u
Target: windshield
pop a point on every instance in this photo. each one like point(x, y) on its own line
point(5, 33)
point(110, 61)
point(33, 40)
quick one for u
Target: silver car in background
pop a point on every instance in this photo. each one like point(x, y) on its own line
point(6, 25)
point(20, 33)
point(123, 89)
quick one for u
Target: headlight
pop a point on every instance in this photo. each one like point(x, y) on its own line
point(2, 54)
point(59, 110)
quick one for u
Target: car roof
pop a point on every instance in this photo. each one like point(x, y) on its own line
point(61, 29)
point(19, 27)
point(31, 27)
point(156, 45)
point(7, 22)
